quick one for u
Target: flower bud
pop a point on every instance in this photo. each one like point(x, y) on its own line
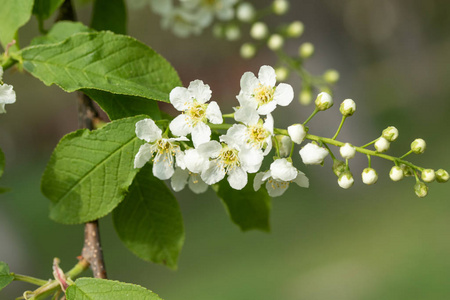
point(346, 180)
point(421, 189)
point(390, 133)
point(442, 176)
point(407, 171)
point(282, 73)
point(324, 101)
point(348, 107)
point(331, 76)
point(295, 29)
point(306, 50)
point(275, 42)
point(418, 146)
point(232, 32)
point(382, 145)
point(280, 7)
point(396, 173)
point(245, 12)
point(428, 175)
point(285, 144)
point(297, 132)
point(338, 167)
point(305, 97)
point(347, 151)
point(247, 50)
point(312, 154)
point(259, 31)
point(369, 176)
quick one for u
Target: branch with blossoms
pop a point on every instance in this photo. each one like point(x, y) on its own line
point(240, 151)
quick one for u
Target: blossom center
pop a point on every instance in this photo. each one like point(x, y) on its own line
point(257, 135)
point(228, 159)
point(197, 112)
point(275, 184)
point(263, 94)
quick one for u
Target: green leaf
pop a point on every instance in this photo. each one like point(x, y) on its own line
point(103, 61)
point(2, 162)
point(89, 172)
point(122, 106)
point(110, 15)
point(5, 275)
point(43, 9)
point(149, 220)
point(60, 31)
point(102, 289)
point(248, 209)
point(13, 15)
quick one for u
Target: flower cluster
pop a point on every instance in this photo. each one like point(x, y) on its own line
point(186, 154)
point(7, 94)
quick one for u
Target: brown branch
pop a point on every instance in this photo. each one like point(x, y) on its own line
point(92, 250)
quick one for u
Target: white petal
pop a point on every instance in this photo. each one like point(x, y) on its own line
point(7, 94)
point(312, 154)
point(180, 126)
point(237, 132)
point(200, 91)
point(194, 161)
point(196, 184)
point(213, 113)
point(213, 173)
point(237, 178)
point(302, 180)
point(251, 159)
point(268, 123)
point(163, 168)
point(297, 133)
point(147, 130)
point(269, 146)
point(179, 179)
point(283, 94)
point(258, 181)
point(267, 108)
point(249, 82)
point(201, 134)
point(247, 115)
point(246, 100)
point(180, 98)
point(267, 175)
point(180, 159)
point(225, 14)
point(144, 154)
point(283, 170)
point(267, 76)
point(210, 149)
point(276, 189)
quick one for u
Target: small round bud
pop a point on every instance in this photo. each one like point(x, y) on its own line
point(338, 167)
point(407, 171)
point(280, 7)
point(282, 73)
point(331, 76)
point(442, 176)
point(369, 176)
point(382, 145)
point(346, 180)
point(396, 173)
point(421, 189)
point(428, 175)
point(390, 133)
point(232, 32)
point(247, 50)
point(295, 29)
point(418, 146)
point(324, 101)
point(259, 31)
point(275, 42)
point(305, 97)
point(306, 50)
point(348, 107)
point(312, 154)
point(285, 144)
point(245, 12)
point(297, 132)
point(347, 151)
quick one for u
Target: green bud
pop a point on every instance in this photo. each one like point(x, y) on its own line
point(442, 176)
point(324, 101)
point(306, 50)
point(348, 107)
point(346, 180)
point(390, 133)
point(275, 42)
point(421, 189)
point(285, 145)
point(338, 167)
point(282, 73)
point(331, 76)
point(305, 97)
point(232, 32)
point(295, 29)
point(259, 31)
point(407, 171)
point(248, 50)
point(280, 7)
point(428, 175)
point(418, 146)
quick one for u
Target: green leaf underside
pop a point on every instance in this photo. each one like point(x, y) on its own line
point(110, 15)
point(102, 289)
point(122, 106)
point(89, 172)
point(13, 15)
point(103, 61)
point(5, 275)
point(2, 162)
point(247, 209)
point(59, 32)
point(149, 220)
point(43, 9)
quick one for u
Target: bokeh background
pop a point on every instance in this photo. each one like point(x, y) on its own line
point(369, 242)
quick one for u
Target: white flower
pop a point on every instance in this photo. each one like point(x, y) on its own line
point(192, 102)
point(369, 176)
point(396, 173)
point(166, 149)
point(181, 21)
point(229, 159)
point(261, 93)
point(346, 180)
point(7, 94)
point(280, 175)
point(181, 177)
point(347, 151)
point(428, 175)
point(254, 133)
point(382, 145)
point(297, 132)
point(223, 9)
point(161, 7)
point(312, 154)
